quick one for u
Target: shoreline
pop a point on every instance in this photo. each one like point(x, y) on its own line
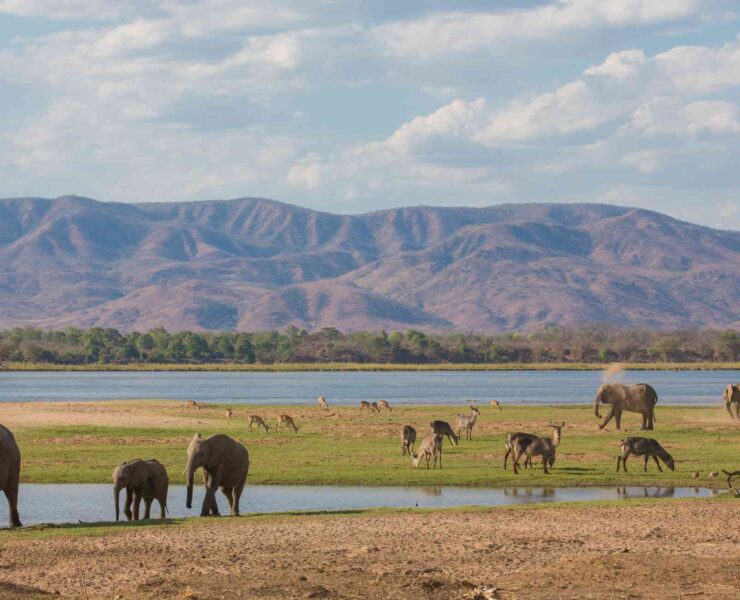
point(367, 367)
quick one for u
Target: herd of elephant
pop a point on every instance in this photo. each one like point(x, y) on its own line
point(225, 461)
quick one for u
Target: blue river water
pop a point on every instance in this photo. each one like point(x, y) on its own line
point(348, 388)
point(71, 503)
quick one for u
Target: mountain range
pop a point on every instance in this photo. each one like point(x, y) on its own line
point(254, 264)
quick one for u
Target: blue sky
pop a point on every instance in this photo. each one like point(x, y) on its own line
point(353, 106)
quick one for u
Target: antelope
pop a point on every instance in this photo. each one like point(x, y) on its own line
point(694, 475)
point(467, 422)
point(443, 428)
point(713, 475)
point(408, 439)
point(323, 404)
point(495, 404)
point(284, 419)
point(544, 447)
point(192, 404)
point(259, 421)
point(526, 439)
point(430, 447)
point(229, 414)
point(365, 404)
point(384, 404)
point(374, 408)
point(647, 447)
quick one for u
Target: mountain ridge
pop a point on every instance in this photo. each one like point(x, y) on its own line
point(255, 263)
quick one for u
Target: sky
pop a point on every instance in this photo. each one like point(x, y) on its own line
point(352, 106)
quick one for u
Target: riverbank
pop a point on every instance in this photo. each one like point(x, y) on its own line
point(636, 549)
point(82, 443)
point(335, 366)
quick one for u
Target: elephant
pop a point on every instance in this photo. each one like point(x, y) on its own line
point(10, 473)
point(143, 479)
point(731, 396)
point(640, 398)
point(225, 464)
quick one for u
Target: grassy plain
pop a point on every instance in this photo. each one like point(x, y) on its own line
point(83, 442)
point(337, 366)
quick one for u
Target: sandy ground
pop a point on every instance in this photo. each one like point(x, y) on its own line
point(667, 549)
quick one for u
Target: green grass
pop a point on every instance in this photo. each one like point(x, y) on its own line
point(335, 366)
point(353, 448)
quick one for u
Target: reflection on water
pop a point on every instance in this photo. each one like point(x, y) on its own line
point(530, 492)
point(68, 503)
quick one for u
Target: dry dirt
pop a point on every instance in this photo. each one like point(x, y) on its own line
point(669, 549)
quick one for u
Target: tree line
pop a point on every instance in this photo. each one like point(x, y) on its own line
point(595, 344)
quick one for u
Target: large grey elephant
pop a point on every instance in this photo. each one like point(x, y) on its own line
point(225, 464)
point(142, 479)
point(639, 398)
point(10, 473)
point(731, 397)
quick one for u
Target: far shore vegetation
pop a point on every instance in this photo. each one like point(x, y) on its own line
point(589, 347)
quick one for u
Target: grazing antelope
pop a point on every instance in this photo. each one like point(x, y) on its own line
point(384, 404)
point(467, 422)
point(365, 404)
point(731, 396)
point(730, 475)
point(544, 447)
point(229, 414)
point(323, 404)
point(284, 419)
point(259, 421)
point(694, 475)
point(408, 439)
point(495, 404)
point(192, 404)
point(430, 447)
point(713, 475)
point(647, 447)
point(526, 439)
point(443, 428)
point(374, 408)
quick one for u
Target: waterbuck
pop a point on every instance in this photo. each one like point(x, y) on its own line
point(259, 422)
point(286, 420)
point(192, 404)
point(467, 422)
point(430, 447)
point(323, 404)
point(408, 439)
point(443, 428)
point(544, 447)
point(365, 404)
point(384, 404)
point(526, 439)
point(647, 447)
point(496, 404)
point(229, 414)
point(374, 408)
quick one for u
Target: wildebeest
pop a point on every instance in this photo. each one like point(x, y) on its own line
point(647, 447)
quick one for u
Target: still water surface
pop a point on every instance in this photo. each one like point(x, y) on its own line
point(435, 387)
point(70, 503)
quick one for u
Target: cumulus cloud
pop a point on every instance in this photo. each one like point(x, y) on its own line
point(469, 31)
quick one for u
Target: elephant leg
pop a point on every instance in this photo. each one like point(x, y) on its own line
point(137, 505)
point(229, 493)
point(12, 495)
point(618, 418)
point(236, 497)
point(127, 504)
point(148, 507)
point(737, 411)
point(608, 418)
point(162, 507)
point(655, 458)
point(650, 419)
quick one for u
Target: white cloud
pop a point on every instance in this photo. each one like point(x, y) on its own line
point(431, 36)
point(65, 9)
point(619, 65)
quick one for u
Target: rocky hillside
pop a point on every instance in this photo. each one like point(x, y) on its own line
point(258, 264)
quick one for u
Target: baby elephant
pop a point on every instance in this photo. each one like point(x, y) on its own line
point(647, 447)
point(142, 479)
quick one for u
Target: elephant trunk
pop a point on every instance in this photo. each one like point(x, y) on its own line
point(191, 475)
point(116, 493)
point(597, 401)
